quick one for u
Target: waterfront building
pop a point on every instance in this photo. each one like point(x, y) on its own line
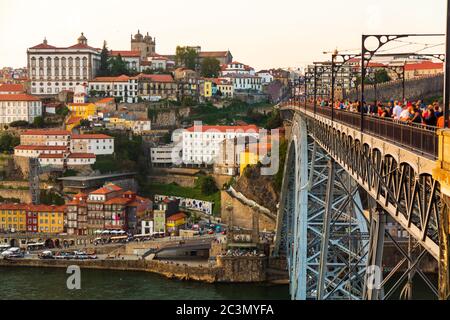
point(107, 208)
point(201, 144)
point(32, 218)
point(164, 209)
point(52, 70)
point(19, 106)
point(175, 222)
point(13, 217)
point(77, 221)
point(50, 218)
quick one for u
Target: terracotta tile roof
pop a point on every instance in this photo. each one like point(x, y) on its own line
point(81, 46)
point(90, 136)
point(125, 53)
point(43, 46)
point(73, 120)
point(177, 216)
point(105, 100)
point(43, 132)
point(18, 97)
point(51, 156)
point(81, 156)
point(156, 77)
point(226, 128)
point(79, 104)
point(50, 148)
point(118, 200)
point(425, 65)
point(122, 78)
point(212, 54)
point(11, 88)
point(45, 208)
point(107, 189)
point(13, 206)
point(80, 195)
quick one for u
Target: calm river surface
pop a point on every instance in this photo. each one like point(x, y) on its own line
point(50, 283)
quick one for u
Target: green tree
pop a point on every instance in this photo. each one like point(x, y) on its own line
point(210, 68)
point(39, 122)
point(208, 186)
point(64, 111)
point(274, 120)
point(104, 62)
point(118, 66)
point(382, 76)
point(19, 123)
point(8, 142)
point(85, 123)
point(186, 57)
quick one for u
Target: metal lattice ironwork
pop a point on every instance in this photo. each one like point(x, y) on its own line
point(325, 236)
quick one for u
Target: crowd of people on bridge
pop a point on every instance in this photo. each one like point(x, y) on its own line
point(416, 112)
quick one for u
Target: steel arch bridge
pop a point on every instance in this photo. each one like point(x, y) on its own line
point(328, 237)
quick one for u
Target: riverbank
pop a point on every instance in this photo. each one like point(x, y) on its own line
point(24, 283)
point(227, 269)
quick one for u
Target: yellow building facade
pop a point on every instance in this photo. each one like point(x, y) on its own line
point(246, 159)
point(83, 110)
point(207, 89)
point(50, 219)
point(13, 217)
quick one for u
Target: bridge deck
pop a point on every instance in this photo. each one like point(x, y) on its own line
point(419, 139)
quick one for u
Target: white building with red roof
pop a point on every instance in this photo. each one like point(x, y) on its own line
point(54, 69)
point(123, 87)
point(98, 144)
point(60, 147)
point(11, 88)
point(201, 144)
point(421, 69)
point(236, 67)
point(19, 106)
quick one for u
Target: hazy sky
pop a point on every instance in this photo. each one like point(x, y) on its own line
point(262, 33)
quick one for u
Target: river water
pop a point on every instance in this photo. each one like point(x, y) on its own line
point(50, 283)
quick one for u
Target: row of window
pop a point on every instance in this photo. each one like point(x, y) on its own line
point(56, 62)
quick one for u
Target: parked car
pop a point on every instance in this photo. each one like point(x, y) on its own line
point(11, 251)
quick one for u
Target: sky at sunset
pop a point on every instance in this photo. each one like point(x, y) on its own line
point(262, 33)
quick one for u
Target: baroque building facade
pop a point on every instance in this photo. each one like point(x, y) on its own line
point(54, 69)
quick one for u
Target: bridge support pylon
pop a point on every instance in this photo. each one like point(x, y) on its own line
point(372, 290)
point(442, 174)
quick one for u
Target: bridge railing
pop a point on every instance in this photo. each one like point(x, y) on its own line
point(418, 138)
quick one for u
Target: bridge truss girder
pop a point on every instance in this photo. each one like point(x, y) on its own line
point(321, 230)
